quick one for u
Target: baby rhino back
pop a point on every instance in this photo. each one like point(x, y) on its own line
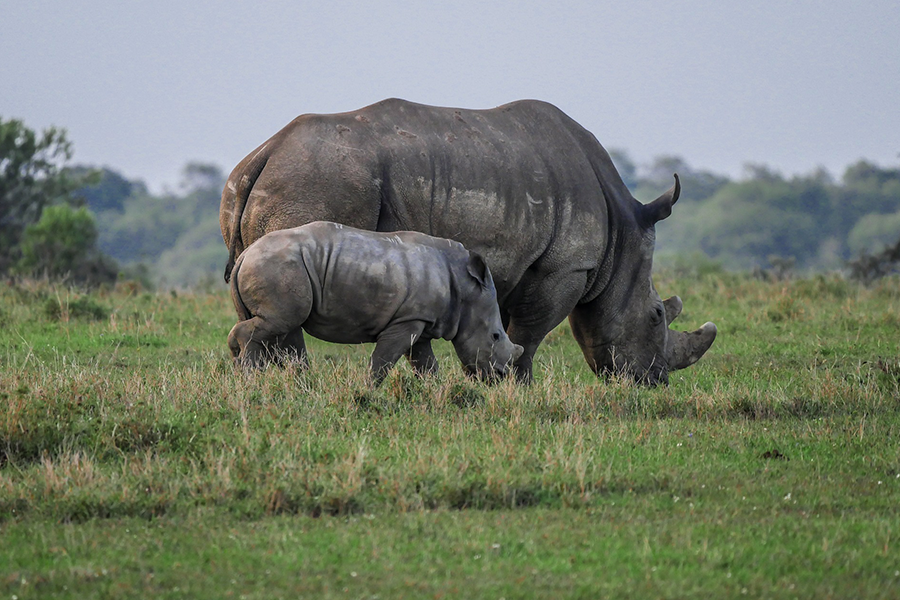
point(362, 281)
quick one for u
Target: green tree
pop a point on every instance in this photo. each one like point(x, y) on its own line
point(202, 184)
point(175, 234)
point(196, 257)
point(867, 189)
point(873, 233)
point(109, 192)
point(747, 222)
point(63, 243)
point(32, 176)
point(695, 185)
point(146, 227)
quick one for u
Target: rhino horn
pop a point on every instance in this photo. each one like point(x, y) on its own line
point(660, 208)
point(686, 348)
point(673, 307)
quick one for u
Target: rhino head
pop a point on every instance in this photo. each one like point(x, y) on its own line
point(625, 329)
point(481, 342)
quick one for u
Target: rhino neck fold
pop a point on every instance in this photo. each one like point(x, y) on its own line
point(621, 234)
point(446, 326)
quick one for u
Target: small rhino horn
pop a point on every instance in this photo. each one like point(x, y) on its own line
point(673, 307)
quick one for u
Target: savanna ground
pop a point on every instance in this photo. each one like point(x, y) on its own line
point(135, 462)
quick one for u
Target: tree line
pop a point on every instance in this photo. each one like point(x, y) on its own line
point(815, 220)
point(93, 225)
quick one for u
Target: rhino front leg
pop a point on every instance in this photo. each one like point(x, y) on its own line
point(527, 332)
point(545, 303)
point(523, 368)
point(395, 341)
point(422, 358)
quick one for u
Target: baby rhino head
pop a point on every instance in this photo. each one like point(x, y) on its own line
point(481, 342)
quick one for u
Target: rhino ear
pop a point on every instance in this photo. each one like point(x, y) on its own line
point(659, 209)
point(478, 269)
point(673, 308)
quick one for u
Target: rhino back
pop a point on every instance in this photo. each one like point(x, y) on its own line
point(522, 184)
point(364, 281)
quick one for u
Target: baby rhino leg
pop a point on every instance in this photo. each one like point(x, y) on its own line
point(291, 347)
point(422, 358)
point(253, 344)
point(393, 342)
point(280, 301)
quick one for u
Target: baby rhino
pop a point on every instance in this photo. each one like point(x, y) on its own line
point(345, 285)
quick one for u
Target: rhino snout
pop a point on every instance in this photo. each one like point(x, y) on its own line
point(501, 367)
point(499, 364)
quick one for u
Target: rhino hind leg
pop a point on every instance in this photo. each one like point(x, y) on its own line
point(248, 344)
point(291, 348)
point(392, 343)
point(254, 345)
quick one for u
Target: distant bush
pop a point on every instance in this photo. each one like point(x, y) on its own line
point(62, 245)
point(779, 269)
point(871, 267)
point(84, 307)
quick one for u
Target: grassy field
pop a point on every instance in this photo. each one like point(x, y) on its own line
point(134, 461)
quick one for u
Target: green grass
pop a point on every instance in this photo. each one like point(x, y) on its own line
point(135, 462)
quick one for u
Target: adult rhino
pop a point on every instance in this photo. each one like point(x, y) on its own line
point(522, 184)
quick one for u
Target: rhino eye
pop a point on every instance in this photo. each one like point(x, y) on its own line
point(496, 337)
point(657, 314)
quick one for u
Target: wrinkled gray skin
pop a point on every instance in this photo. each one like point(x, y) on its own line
point(523, 185)
point(344, 285)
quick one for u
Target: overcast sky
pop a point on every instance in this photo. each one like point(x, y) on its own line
point(144, 87)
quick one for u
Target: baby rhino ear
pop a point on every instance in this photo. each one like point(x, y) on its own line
point(478, 269)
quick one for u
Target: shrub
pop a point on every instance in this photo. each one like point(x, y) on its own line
point(63, 244)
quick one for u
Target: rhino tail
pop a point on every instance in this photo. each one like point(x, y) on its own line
point(245, 180)
point(241, 308)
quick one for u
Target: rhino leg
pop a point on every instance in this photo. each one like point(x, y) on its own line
point(395, 341)
point(248, 344)
point(234, 344)
point(529, 335)
point(523, 368)
point(291, 347)
point(254, 345)
point(421, 358)
point(548, 302)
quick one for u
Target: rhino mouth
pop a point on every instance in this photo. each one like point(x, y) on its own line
point(490, 375)
point(609, 365)
point(652, 377)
